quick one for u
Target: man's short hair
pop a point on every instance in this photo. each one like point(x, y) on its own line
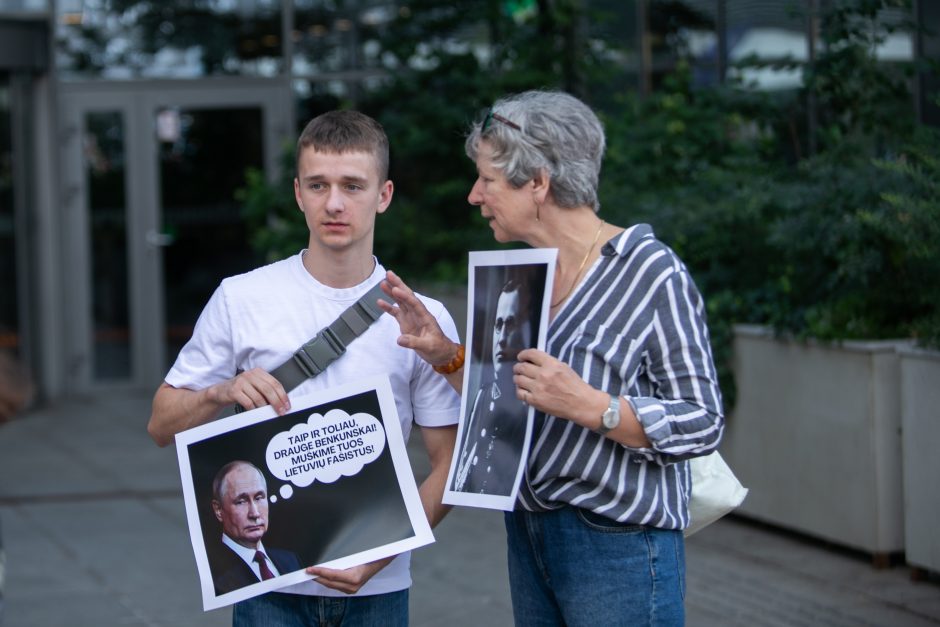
point(223, 472)
point(346, 131)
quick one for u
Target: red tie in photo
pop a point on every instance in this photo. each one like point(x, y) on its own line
point(263, 566)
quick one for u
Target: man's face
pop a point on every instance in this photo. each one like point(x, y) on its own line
point(510, 330)
point(340, 194)
point(243, 511)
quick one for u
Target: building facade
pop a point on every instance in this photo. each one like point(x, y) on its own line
point(126, 128)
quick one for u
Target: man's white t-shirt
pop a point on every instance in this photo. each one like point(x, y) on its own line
point(258, 320)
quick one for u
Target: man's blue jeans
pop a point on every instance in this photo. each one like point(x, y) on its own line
point(286, 610)
point(576, 568)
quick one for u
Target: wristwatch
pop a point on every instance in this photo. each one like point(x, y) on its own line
point(611, 417)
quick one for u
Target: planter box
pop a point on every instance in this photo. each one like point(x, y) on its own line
point(815, 436)
point(920, 420)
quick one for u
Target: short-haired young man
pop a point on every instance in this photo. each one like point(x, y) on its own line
point(255, 321)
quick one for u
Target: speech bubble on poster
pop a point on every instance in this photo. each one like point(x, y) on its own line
point(325, 448)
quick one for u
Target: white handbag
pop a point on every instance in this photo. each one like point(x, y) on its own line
point(715, 491)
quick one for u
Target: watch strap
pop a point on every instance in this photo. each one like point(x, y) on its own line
point(614, 407)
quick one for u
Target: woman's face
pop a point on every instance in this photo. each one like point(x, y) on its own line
point(508, 210)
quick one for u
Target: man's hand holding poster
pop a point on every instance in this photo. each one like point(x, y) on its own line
point(508, 293)
point(328, 484)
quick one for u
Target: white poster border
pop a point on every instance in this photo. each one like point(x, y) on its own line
point(502, 258)
point(394, 440)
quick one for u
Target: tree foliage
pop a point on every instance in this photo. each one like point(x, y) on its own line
point(833, 233)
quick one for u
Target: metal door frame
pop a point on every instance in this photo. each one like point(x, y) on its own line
point(138, 103)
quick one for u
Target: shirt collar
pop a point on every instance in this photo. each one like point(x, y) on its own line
point(624, 243)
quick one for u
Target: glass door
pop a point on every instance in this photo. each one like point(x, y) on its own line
point(156, 225)
point(104, 148)
point(203, 154)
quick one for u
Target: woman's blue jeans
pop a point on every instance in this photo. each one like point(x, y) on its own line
point(576, 568)
point(287, 610)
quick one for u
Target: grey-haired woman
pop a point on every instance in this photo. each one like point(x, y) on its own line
point(625, 392)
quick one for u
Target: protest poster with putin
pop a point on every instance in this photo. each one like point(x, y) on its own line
point(328, 484)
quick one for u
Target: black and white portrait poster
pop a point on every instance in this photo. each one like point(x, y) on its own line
point(508, 304)
point(327, 484)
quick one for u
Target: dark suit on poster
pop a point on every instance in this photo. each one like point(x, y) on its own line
point(230, 572)
point(493, 443)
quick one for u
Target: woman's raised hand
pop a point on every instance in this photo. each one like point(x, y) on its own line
point(419, 329)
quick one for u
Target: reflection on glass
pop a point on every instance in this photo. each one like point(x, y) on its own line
point(611, 27)
point(203, 157)
point(683, 30)
point(105, 168)
point(10, 7)
point(316, 97)
point(142, 39)
point(766, 32)
point(9, 320)
point(336, 37)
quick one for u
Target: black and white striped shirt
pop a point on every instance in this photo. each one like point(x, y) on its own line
point(635, 327)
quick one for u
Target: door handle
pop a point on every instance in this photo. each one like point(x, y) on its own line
point(159, 240)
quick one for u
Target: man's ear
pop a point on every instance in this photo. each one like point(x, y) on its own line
point(386, 190)
point(217, 510)
point(300, 204)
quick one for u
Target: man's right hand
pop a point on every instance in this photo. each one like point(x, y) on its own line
point(252, 389)
point(179, 409)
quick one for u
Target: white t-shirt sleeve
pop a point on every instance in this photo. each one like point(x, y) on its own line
point(435, 402)
point(209, 356)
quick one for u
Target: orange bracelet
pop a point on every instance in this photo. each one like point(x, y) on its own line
point(454, 364)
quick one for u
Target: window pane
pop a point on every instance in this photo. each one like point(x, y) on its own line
point(332, 36)
point(24, 6)
point(202, 162)
point(106, 166)
point(611, 27)
point(767, 31)
point(169, 39)
point(683, 30)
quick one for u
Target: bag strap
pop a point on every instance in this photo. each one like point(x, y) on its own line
point(330, 343)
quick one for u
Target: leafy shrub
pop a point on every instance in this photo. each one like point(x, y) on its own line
point(834, 235)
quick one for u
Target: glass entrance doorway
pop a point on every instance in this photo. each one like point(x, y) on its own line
point(203, 155)
point(155, 176)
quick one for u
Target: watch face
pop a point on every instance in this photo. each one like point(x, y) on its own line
point(611, 418)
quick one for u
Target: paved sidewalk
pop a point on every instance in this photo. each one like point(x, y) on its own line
point(95, 534)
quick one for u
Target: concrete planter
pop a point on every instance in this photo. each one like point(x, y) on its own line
point(816, 437)
point(920, 419)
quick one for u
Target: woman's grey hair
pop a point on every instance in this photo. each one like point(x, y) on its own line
point(556, 133)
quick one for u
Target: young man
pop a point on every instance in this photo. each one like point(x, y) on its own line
point(254, 322)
